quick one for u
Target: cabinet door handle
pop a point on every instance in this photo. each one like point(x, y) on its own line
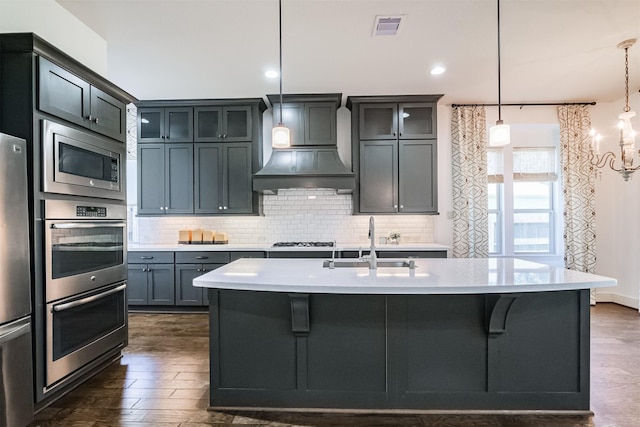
point(96, 120)
point(224, 207)
point(161, 208)
point(401, 206)
point(146, 257)
point(394, 134)
point(89, 117)
point(219, 207)
point(202, 257)
point(220, 135)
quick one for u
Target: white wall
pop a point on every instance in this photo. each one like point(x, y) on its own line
point(617, 212)
point(56, 25)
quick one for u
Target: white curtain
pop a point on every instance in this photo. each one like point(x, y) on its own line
point(469, 163)
point(578, 186)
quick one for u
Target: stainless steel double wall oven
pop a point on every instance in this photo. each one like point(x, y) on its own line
point(84, 245)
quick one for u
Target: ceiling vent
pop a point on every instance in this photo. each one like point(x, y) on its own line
point(386, 25)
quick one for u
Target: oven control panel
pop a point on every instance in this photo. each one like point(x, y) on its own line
point(91, 211)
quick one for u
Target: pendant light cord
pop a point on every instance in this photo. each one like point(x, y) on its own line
point(280, 39)
point(499, 88)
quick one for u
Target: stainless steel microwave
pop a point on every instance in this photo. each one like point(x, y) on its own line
point(81, 164)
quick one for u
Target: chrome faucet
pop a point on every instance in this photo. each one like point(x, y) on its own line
point(372, 236)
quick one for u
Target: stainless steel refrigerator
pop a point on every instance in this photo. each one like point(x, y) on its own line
point(16, 367)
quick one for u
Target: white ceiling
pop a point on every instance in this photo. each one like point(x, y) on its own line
point(552, 50)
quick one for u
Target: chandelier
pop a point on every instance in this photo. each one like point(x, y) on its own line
point(627, 134)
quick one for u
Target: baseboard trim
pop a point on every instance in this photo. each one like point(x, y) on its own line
point(618, 299)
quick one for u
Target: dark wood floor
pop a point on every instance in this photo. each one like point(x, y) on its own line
point(162, 380)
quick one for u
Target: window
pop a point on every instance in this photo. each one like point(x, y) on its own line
point(524, 196)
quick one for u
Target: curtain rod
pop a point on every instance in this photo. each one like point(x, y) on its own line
point(525, 104)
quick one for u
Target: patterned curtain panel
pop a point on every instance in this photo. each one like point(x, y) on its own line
point(578, 186)
point(469, 163)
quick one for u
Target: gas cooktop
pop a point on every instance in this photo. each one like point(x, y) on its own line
point(302, 244)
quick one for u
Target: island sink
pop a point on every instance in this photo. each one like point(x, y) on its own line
point(331, 264)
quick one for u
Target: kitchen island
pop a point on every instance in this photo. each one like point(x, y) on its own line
point(449, 334)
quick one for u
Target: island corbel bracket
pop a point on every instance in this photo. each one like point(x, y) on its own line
point(498, 307)
point(299, 313)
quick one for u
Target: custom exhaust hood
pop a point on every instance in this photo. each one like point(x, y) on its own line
point(311, 167)
point(313, 160)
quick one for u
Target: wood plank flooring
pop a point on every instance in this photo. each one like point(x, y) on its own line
point(162, 381)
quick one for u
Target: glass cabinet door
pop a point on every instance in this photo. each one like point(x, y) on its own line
point(237, 124)
point(179, 124)
point(208, 124)
point(378, 121)
point(223, 124)
point(416, 121)
point(150, 125)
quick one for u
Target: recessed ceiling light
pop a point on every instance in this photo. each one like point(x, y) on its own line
point(437, 70)
point(271, 74)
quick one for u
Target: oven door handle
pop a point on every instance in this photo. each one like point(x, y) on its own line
point(67, 306)
point(89, 225)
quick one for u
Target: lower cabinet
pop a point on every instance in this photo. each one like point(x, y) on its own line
point(186, 293)
point(166, 278)
point(150, 284)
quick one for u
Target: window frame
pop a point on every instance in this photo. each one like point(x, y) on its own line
point(505, 212)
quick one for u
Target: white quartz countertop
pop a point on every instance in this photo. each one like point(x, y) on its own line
point(140, 247)
point(431, 276)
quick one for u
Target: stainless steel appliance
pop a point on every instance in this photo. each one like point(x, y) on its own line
point(81, 164)
point(85, 285)
point(84, 327)
point(16, 371)
point(84, 246)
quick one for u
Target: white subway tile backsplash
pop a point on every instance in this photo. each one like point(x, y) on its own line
point(291, 216)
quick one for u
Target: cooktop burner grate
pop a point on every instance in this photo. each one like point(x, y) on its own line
point(302, 244)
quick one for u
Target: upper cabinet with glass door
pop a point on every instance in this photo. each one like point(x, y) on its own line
point(223, 124)
point(165, 124)
point(398, 121)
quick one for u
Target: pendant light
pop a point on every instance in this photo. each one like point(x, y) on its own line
point(280, 135)
point(500, 134)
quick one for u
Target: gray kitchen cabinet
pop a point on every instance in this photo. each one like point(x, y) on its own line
point(186, 293)
point(398, 120)
point(165, 124)
point(311, 119)
point(417, 181)
point(210, 176)
point(398, 176)
point(395, 157)
point(223, 178)
point(379, 176)
point(69, 97)
point(223, 124)
point(150, 278)
point(166, 278)
point(190, 265)
point(165, 179)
